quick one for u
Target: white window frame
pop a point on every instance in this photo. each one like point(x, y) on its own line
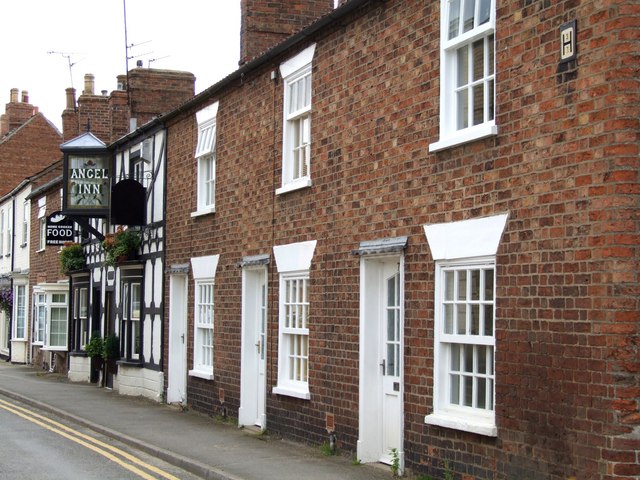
point(62, 306)
point(296, 130)
point(203, 319)
point(447, 410)
point(20, 312)
point(25, 223)
point(294, 263)
point(39, 317)
point(9, 231)
point(451, 133)
point(206, 160)
point(204, 272)
point(131, 326)
point(42, 223)
point(2, 232)
point(464, 245)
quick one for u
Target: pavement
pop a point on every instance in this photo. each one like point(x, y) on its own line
point(207, 447)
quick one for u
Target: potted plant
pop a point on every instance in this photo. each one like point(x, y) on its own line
point(120, 246)
point(72, 257)
point(6, 300)
point(95, 350)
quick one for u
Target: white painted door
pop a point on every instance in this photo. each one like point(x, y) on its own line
point(381, 363)
point(177, 376)
point(254, 348)
point(390, 350)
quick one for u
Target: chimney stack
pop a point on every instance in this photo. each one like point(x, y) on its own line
point(89, 82)
point(265, 23)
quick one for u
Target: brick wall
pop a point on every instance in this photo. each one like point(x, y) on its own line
point(265, 24)
point(27, 150)
point(565, 167)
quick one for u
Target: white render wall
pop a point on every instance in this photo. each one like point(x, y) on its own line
point(137, 382)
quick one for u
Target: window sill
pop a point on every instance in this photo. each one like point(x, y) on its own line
point(201, 374)
point(482, 425)
point(295, 185)
point(54, 349)
point(292, 392)
point(467, 135)
point(203, 211)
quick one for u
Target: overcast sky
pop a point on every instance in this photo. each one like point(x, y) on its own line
point(198, 36)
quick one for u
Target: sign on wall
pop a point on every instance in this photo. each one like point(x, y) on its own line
point(60, 229)
point(87, 177)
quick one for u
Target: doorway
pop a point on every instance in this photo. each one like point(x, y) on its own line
point(253, 384)
point(381, 415)
point(177, 375)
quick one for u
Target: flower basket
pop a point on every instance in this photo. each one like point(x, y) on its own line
point(120, 246)
point(72, 257)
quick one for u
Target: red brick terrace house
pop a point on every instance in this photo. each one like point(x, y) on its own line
point(415, 225)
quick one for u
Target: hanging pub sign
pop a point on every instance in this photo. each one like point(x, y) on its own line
point(60, 229)
point(87, 177)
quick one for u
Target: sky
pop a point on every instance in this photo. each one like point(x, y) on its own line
point(198, 36)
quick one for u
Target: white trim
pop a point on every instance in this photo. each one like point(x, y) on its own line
point(203, 211)
point(300, 60)
point(207, 113)
point(204, 267)
point(292, 392)
point(297, 184)
point(475, 423)
point(294, 256)
point(468, 135)
point(467, 238)
point(201, 374)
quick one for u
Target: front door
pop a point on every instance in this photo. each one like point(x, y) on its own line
point(254, 348)
point(390, 366)
point(177, 375)
point(381, 362)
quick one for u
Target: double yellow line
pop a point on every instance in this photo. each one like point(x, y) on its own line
point(114, 454)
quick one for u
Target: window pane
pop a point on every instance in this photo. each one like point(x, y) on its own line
point(478, 59)
point(481, 393)
point(490, 94)
point(455, 358)
point(468, 358)
point(475, 319)
point(482, 359)
point(454, 18)
point(462, 319)
point(448, 318)
point(462, 56)
point(484, 12)
point(469, 11)
point(448, 285)
point(488, 320)
point(455, 389)
point(462, 285)
point(468, 391)
point(478, 104)
point(490, 54)
point(490, 393)
point(488, 285)
point(475, 284)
